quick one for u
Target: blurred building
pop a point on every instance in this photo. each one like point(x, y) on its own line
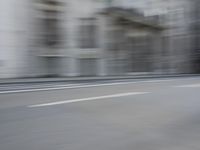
point(196, 22)
point(95, 37)
point(179, 37)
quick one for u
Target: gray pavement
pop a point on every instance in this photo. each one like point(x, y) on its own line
point(161, 114)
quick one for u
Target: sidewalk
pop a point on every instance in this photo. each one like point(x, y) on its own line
point(85, 79)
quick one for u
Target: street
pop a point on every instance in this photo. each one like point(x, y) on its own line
point(148, 114)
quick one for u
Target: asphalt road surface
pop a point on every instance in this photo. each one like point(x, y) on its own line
point(154, 114)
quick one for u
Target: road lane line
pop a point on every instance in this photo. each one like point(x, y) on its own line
point(39, 89)
point(87, 99)
point(189, 86)
point(80, 86)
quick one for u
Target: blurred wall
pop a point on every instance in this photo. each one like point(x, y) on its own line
point(83, 38)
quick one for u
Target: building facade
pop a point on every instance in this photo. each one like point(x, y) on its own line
point(94, 37)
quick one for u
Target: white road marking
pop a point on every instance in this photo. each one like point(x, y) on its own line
point(81, 86)
point(189, 86)
point(87, 99)
point(56, 87)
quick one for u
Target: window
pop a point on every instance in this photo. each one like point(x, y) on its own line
point(50, 34)
point(88, 33)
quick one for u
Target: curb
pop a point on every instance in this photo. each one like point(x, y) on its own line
point(85, 79)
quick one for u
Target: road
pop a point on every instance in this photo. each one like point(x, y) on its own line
point(154, 114)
